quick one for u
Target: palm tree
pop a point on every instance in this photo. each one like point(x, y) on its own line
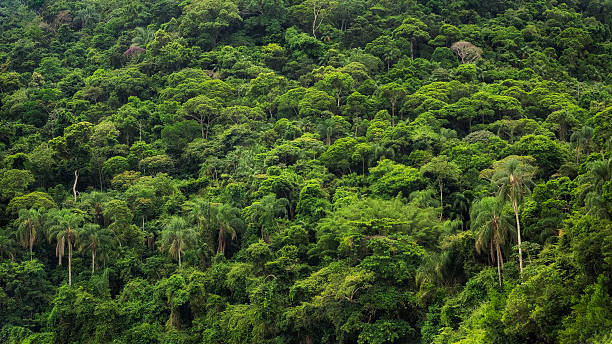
point(30, 221)
point(203, 213)
point(599, 173)
point(461, 205)
point(264, 211)
point(491, 227)
point(144, 35)
point(228, 220)
point(440, 170)
point(94, 201)
point(199, 210)
point(176, 237)
point(513, 179)
point(91, 238)
point(87, 15)
point(582, 139)
point(64, 228)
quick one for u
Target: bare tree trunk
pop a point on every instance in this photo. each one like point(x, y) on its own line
point(518, 232)
point(76, 178)
point(314, 22)
point(441, 204)
point(69, 262)
point(31, 241)
point(220, 239)
point(499, 262)
point(93, 261)
point(179, 254)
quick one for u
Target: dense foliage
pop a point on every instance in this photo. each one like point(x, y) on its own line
point(305, 171)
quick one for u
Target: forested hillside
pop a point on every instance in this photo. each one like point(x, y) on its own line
point(305, 171)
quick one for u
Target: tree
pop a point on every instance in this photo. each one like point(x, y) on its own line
point(549, 154)
point(513, 179)
point(264, 212)
point(92, 238)
point(582, 139)
point(596, 187)
point(390, 178)
point(34, 199)
point(209, 16)
point(317, 11)
point(30, 222)
point(265, 88)
point(73, 149)
point(413, 30)
point(143, 36)
point(64, 228)
point(442, 171)
point(562, 122)
point(385, 48)
point(315, 103)
point(466, 51)
point(491, 228)
point(336, 84)
point(229, 222)
point(176, 237)
point(204, 110)
point(313, 202)
point(394, 93)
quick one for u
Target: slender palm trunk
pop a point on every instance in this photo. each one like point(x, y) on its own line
point(76, 178)
point(179, 254)
point(441, 206)
point(499, 263)
point(93, 261)
point(69, 262)
point(221, 240)
point(518, 233)
point(412, 49)
point(31, 242)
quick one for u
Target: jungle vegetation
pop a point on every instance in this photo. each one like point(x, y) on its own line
point(305, 171)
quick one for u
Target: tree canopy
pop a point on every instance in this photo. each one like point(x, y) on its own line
point(305, 171)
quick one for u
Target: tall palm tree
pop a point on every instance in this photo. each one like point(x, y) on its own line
point(599, 173)
point(264, 211)
point(144, 35)
point(92, 238)
point(176, 237)
point(203, 213)
point(491, 227)
point(461, 205)
point(229, 222)
point(29, 223)
point(93, 203)
point(64, 228)
point(513, 179)
point(87, 15)
point(582, 139)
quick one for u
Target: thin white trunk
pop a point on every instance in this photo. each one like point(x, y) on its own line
point(76, 178)
point(518, 233)
point(69, 262)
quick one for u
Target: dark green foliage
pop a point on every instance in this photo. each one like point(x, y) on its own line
point(305, 171)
